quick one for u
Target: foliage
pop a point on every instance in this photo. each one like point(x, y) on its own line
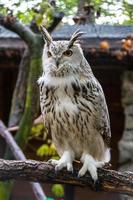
point(67, 6)
point(113, 12)
point(128, 11)
point(38, 130)
point(47, 150)
point(58, 190)
point(40, 11)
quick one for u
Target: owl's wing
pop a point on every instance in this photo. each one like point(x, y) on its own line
point(94, 99)
point(103, 115)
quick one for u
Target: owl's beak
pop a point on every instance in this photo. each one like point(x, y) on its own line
point(57, 63)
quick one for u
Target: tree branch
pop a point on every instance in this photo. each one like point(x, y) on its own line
point(57, 19)
point(16, 26)
point(29, 170)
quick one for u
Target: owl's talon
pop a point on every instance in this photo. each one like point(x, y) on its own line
point(80, 174)
point(60, 165)
point(57, 168)
point(53, 162)
point(69, 167)
point(100, 164)
point(92, 170)
point(89, 164)
point(82, 171)
point(65, 161)
point(49, 161)
point(97, 185)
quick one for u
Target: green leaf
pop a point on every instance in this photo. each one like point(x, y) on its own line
point(58, 190)
point(37, 129)
point(43, 150)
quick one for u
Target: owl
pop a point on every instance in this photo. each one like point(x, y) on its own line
point(73, 106)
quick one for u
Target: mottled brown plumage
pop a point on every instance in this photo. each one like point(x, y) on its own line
point(73, 106)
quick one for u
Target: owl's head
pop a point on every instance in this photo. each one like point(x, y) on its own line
point(61, 58)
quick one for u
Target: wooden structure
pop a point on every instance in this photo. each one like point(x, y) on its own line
point(11, 50)
point(104, 62)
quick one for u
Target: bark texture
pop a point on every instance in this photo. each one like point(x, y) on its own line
point(29, 170)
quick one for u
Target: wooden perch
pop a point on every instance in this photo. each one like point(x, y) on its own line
point(29, 170)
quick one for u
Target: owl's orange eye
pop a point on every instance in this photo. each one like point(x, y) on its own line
point(68, 53)
point(49, 54)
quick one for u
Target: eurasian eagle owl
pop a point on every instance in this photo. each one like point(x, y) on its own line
point(73, 106)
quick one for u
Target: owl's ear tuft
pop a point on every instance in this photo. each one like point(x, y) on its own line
point(46, 35)
point(75, 37)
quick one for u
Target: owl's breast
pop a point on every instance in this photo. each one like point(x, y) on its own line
point(59, 108)
point(68, 117)
point(65, 104)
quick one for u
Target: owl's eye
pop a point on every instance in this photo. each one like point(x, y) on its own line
point(49, 54)
point(68, 53)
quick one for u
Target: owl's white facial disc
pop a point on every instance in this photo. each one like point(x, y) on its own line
point(61, 61)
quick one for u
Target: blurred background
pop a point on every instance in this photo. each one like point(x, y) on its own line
point(108, 47)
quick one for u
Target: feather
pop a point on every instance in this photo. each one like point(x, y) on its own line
point(46, 35)
point(75, 37)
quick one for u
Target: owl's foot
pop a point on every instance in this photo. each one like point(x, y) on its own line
point(53, 161)
point(91, 165)
point(65, 161)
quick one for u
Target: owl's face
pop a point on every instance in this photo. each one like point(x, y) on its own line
point(61, 58)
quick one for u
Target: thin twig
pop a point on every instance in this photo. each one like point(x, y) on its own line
point(37, 121)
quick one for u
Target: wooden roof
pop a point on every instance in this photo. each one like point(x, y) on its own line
point(93, 31)
point(93, 35)
point(10, 40)
point(5, 33)
point(89, 41)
